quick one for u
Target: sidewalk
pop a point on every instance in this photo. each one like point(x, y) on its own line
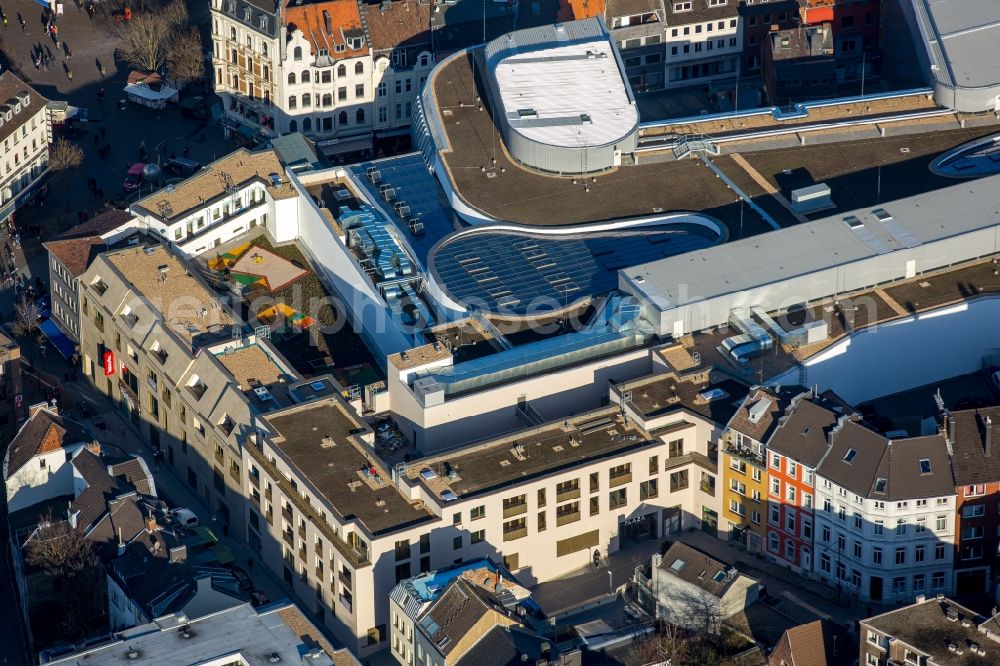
point(120, 435)
point(780, 581)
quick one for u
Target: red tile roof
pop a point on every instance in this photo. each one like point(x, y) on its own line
point(311, 19)
point(402, 23)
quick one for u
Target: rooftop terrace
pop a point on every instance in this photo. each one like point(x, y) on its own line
point(527, 454)
point(187, 306)
point(236, 169)
point(258, 375)
point(716, 398)
point(927, 627)
point(319, 438)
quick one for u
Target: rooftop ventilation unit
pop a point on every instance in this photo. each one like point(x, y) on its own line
point(759, 409)
point(275, 179)
point(416, 226)
point(388, 192)
point(402, 209)
point(374, 175)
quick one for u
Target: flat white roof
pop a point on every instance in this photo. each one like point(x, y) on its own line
point(837, 240)
point(964, 39)
point(561, 85)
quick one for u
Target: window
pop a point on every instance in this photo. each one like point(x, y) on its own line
point(901, 527)
point(456, 519)
point(737, 507)
point(790, 493)
point(478, 536)
point(858, 550)
point(737, 487)
point(716, 3)
point(849, 456)
point(807, 529)
point(682, 6)
point(774, 514)
point(975, 490)
point(541, 498)
point(297, 53)
point(775, 487)
point(649, 489)
point(772, 542)
point(595, 483)
point(900, 556)
point(477, 512)
point(327, 100)
point(792, 469)
point(790, 520)
point(359, 116)
point(918, 583)
point(941, 523)
point(541, 521)
point(359, 90)
point(925, 466)
point(756, 474)
point(937, 580)
point(776, 461)
point(972, 511)
point(291, 78)
point(654, 465)
point(876, 555)
point(675, 448)
point(306, 101)
point(918, 554)
point(939, 551)
point(921, 525)
point(617, 498)
point(678, 480)
point(972, 532)
point(515, 529)
point(456, 542)
point(824, 563)
point(825, 532)
point(595, 505)
point(755, 517)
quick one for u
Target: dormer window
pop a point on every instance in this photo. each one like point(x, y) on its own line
point(231, 7)
point(263, 26)
point(98, 285)
point(196, 386)
point(226, 424)
point(339, 48)
point(158, 351)
point(849, 456)
point(130, 317)
point(682, 6)
point(323, 53)
point(246, 14)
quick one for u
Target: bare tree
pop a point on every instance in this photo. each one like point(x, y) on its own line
point(59, 549)
point(185, 57)
point(64, 154)
point(26, 313)
point(146, 38)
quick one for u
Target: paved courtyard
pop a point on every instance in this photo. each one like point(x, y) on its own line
point(92, 42)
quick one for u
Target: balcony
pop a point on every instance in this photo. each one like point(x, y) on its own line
point(318, 571)
point(268, 494)
point(515, 510)
point(288, 537)
point(567, 495)
point(302, 531)
point(513, 535)
point(254, 481)
point(746, 454)
point(619, 480)
point(346, 580)
point(567, 518)
point(302, 554)
point(287, 514)
point(318, 548)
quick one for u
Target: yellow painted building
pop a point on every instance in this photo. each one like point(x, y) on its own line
point(743, 462)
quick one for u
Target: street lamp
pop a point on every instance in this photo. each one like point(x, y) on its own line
point(611, 586)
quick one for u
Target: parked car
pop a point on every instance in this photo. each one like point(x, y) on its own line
point(184, 517)
point(181, 166)
point(134, 177)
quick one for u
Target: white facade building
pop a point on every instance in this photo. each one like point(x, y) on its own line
point(25, 133)
point(703, 40)
point(233, 194)
point(326, 67)
point(885, 525)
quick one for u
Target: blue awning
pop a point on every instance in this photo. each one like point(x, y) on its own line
point(57, 338)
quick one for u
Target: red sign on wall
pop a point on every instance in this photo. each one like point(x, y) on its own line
point(109, 363)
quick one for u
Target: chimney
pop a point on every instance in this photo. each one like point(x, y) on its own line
point(327, 23)
point(94, 447)
point(178, 554)
point(987, 436)
point(121, 544)
point(71, 515)
point(34, 409)
point(951, 428)
point(150, 523)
